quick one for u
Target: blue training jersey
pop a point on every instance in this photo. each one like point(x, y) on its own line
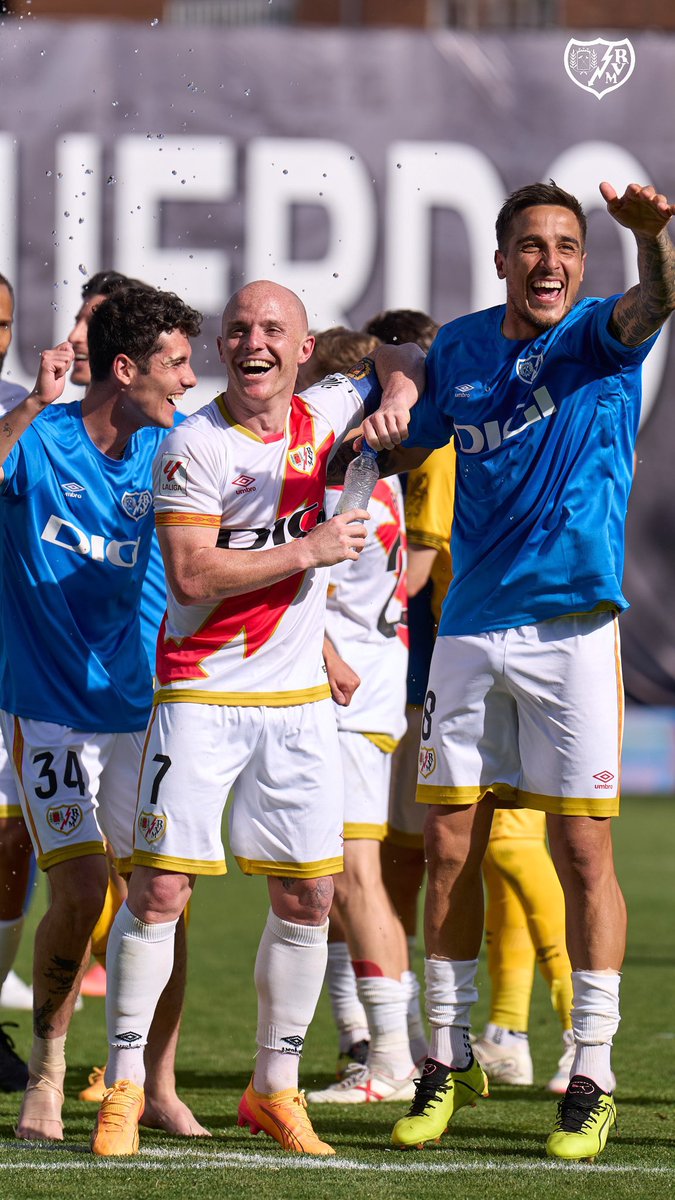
point(76, 528)
point(545, 431)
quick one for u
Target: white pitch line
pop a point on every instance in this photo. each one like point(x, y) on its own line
point(177, 1160)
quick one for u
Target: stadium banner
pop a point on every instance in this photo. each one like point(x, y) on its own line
point(363, 169)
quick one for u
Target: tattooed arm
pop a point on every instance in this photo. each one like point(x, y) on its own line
point(54, 366)
point(390, 462)
point(645, 307)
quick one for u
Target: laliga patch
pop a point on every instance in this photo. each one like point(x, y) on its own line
point(427, 761)
point(174, 475)
point(152, 826)
point(303, 458)
point(64, 818)
point(136, 504)
point(361, 370)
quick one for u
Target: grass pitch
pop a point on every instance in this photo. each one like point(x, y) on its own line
point(495, 1150)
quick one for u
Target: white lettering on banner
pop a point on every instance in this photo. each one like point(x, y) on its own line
point(425, 176)
point(490, 435)
point(177, 168)
point(280, 175)
point(65, 534)
point(286, 172)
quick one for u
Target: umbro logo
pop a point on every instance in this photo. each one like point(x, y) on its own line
point(128, 1037)
point(293, 1045)
point(73, 490)
point(605, 781)
point(243, 484)
point(463, 389)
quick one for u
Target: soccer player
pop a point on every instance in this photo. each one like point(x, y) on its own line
point(525, 699)
point(15, 847)
point(242, 699)
point(366, 644)
point(77, 519)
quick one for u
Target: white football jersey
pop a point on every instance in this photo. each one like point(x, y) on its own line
point(263, 647)
point(366, 619)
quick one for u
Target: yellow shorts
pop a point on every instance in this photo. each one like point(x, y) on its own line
point(533, 715)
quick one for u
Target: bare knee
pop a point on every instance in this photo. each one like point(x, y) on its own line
point(581, 848)
point(158, 896)
point(302, 901)
point(77, 891)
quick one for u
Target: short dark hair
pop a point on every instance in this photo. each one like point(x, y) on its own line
point(532, 195)
point(130, 322)
point(399, 325)
point(4, 282)
point(104, 283)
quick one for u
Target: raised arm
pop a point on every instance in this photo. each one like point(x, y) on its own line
point(645, 307)
point(51, 379)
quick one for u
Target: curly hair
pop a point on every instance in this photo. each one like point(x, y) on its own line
point(130, 322)
point(399, 325)
point(532, 195)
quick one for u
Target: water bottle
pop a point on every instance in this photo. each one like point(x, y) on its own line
point(360, 478)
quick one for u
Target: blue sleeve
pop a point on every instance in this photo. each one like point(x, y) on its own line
point(363, 376)
point(430, 425)
point(590, 337)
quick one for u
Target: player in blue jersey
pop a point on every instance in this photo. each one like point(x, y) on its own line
point(524, 704)
point(15, 848)
point(75, 536)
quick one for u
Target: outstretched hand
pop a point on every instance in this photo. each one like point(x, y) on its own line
point(51, 378)
point(643, 210)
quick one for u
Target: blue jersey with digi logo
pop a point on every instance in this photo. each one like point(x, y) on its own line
point(75, 534)
point(545, 432)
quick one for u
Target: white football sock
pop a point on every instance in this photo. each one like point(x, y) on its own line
point(595, 1020)
point(289, 970)
point(450, 992)
point(10, 936)
point(348, 1011)
point(386, 1003)
point(139, 962)
point(419, 1046)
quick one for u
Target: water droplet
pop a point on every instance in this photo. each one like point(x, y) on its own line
point(81, 221)
point(59, 174)
point(115, 103)
point(111, 179)
point(89, 171)
point(336, 274)
point(247, 91)
point(174, 172)
point(82, 269)
point(48, 174)
point(42, 53)
point(154, 21)
point(352, 157)
point(398, 166)
point(284, 172)
point(66, 214)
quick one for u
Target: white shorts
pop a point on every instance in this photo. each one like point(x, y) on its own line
point(533, 715)
point(367, 771)
point(75, 788)
point(10, 805)
point(406, 818)
point(283, 768)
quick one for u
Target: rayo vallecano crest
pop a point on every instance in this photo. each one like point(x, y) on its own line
point(599, 66)
point(136, 504)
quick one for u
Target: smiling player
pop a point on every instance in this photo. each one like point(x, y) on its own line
point(75, 692)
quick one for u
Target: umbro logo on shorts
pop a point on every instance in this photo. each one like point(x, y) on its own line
point(605, 778)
